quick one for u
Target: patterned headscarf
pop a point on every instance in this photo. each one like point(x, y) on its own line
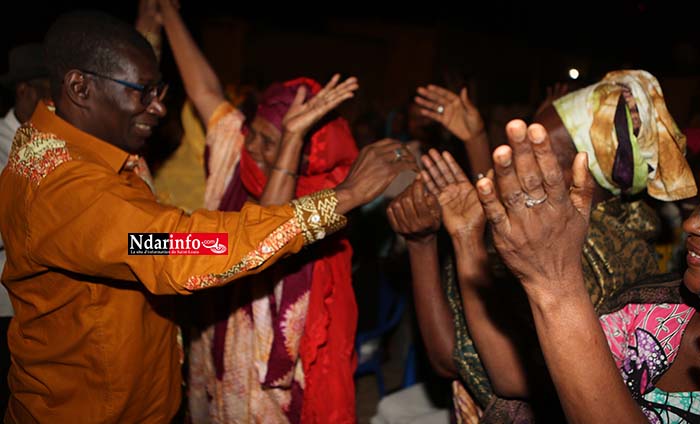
point(632, 141)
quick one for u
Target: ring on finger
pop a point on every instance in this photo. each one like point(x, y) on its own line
point(440, 109)
point(532, 202)
point(398, 154)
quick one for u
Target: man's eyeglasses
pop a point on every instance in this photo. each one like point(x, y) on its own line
point(148, 92)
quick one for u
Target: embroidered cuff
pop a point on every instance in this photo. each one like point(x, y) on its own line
point(316, 215)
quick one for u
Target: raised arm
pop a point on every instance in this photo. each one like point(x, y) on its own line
point(499, 335)
point(415, 215)
point(255, 237)
point(301, 116)
point(148, 23)
point(539, 226)
point(201, 83)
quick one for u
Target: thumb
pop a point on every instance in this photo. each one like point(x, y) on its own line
point(464, 97)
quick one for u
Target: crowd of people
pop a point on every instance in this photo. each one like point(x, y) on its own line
point(551, 277)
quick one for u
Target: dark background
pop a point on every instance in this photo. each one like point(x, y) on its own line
point(505, 52)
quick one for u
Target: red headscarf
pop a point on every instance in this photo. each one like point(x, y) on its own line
point(327, 345)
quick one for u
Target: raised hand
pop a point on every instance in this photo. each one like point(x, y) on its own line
point(415, 213)
point(462, 213)
point(374, 169)
point(539, 224)
point(148, 19)
point(302, 115)
point(455, 112)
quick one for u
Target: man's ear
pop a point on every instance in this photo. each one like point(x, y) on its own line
point(77, 87)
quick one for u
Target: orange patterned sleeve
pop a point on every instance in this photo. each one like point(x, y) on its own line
point(81, 216)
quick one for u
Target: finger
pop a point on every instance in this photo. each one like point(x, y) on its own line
point(329, 86)
point(333, 103)
point(425, 203)
point(526, 166)
point(392, 219)
point(394, 151)
point(418, 195)
point(349, 81)
point(507, 180)
point(494, 210)
point(347, 86)
point(442, 166)
point(407, 156)
point(385, 150)
point(431, 94)
point(455, 168)
point(437, 117)
point(434, 172)
point(552, 175)
point(391, 152)
point(403, 165)
point(409, 208)
point(335, 96)
point(381, 143)
point(428, 104)
point(442, 93)
point(299, 97)
point(464, 97)
point(429, 183)
point(400, 215)
point(583, 186)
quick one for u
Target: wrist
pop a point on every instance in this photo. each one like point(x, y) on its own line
point(554, 309)
point(479, 137)
point(469, 242)
point(548, 293)
point(292, 137)
point(421, 243)
point(284, 171)
point(347, 200)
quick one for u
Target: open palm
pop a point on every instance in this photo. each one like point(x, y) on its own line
point(302, 114)
point(462, 213)
point(459, 115)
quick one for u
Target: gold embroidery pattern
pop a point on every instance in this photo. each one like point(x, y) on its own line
point(35, 154)
point(316, 215)
point(270, 245)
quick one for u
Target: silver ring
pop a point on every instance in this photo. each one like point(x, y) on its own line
point(530, 202)
point(398, 154)
point(440, 109)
